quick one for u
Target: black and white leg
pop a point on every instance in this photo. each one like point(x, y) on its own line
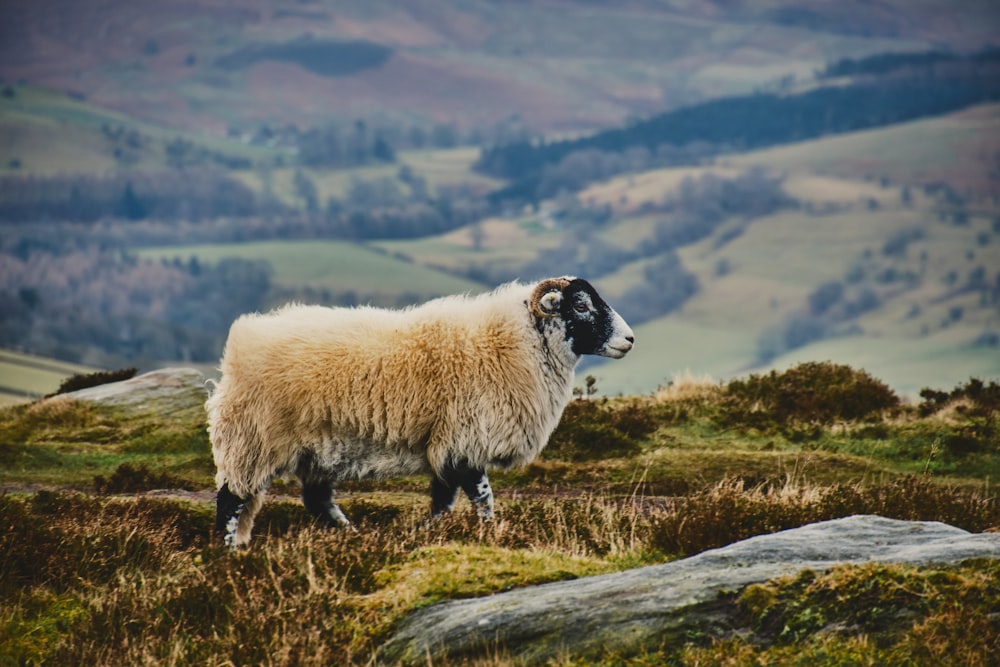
point(443, 493)
point(228, 508)
point(473, 482)
point(477, 487)
point(317, 496)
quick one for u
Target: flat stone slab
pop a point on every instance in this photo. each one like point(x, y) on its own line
point(641, 608)
point(165, 391)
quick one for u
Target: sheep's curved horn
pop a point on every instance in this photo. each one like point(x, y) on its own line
point(541, 289)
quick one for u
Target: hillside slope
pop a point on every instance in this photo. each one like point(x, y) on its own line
point(858, 264)
point(557, 64)
point(911, 272)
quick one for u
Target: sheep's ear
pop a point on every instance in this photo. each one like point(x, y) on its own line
point(547, 296)
point(550, 302)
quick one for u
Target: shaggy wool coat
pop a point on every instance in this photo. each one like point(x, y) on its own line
point(366, 392)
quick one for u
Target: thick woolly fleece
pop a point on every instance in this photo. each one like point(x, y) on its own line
point(354, 393)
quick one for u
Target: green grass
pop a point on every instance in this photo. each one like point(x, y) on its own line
point(447, 167)
point(338, 266)
point(924, 616)
point(506, 245)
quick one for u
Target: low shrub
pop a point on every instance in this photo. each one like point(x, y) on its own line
point(595, 429)
point(129, 478)
point(975, 398)
point(977, 406)
point(87, 380)
point(810, 393)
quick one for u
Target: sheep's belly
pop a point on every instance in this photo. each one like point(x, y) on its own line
point(358, 459)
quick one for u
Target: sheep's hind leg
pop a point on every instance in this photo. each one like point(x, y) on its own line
point(442, 495)
point(475, 483)
point(317, 496)
point(477, 487)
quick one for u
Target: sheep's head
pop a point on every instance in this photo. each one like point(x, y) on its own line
point(591, 326)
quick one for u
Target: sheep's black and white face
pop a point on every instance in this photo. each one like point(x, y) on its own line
point(591, 325)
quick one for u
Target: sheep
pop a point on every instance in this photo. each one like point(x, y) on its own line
point(453, 387)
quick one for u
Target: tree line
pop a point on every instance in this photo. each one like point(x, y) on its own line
point(885, 63)
point(212, 206)
point(106, 308)
point(756, 120)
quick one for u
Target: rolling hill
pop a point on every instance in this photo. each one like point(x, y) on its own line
point(857, 246)
point(934, 318)
point(44, 132)
point(558, 65)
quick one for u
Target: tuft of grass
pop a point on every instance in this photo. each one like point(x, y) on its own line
point(64, 441)
point(897, 614)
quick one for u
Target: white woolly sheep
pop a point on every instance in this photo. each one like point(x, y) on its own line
point(453, 387)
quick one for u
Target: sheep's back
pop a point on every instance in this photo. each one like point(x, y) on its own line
point(381, 375)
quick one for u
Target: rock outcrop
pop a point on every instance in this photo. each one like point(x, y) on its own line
point(167, 391)
point(641, 608)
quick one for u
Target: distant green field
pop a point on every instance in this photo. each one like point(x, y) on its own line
point(920, 334)
point(507, 243)
point(338, 266)
point(439, 168)
point(24, 376)
point(45, 132)
point(447, 167)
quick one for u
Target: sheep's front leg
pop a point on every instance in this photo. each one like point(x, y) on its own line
point(228, 508)
point(474, 483)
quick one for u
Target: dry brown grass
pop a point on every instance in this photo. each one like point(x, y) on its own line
point(98, 581)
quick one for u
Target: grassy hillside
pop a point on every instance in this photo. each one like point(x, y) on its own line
point(335, 266)
point(958, 148)
point(929, 327)
point(46, 133)
point(439, 169)
point(556, 64)
point(108, 517)
point(925, 263)
point(24, 377)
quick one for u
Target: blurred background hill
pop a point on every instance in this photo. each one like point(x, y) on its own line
point(751, 184)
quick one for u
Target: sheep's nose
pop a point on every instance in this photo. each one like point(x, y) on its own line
point(630, 339)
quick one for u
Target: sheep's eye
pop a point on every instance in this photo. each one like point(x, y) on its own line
point(581, 308)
